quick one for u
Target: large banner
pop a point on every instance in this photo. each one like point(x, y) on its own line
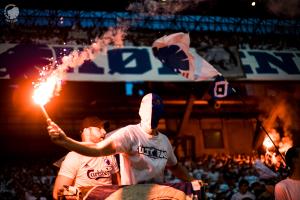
point(225, 59)
point(138, 63)
point(270, 65)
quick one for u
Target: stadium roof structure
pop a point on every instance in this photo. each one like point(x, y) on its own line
point(106, 15)
point(232, 8)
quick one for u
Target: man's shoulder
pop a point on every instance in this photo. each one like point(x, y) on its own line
point(132, 126)
point(73, 155)
point(124, 132)
point(283, 181)
point(163, 136)
point(288, 181)
point(123, 129)
point(131, 129)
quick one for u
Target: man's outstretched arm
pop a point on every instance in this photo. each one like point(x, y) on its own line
point(103, 148)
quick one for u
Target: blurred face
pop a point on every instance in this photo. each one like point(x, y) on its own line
point(93, 134)
point(243, 188)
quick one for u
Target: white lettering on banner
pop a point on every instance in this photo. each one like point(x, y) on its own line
point(124, 64)
point(138, 63)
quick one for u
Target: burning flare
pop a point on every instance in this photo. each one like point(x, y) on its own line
point(45, 90)
point(51, 76)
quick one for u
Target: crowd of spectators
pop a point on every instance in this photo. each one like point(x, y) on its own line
point(27, 180)
point(224, 174)
point(200, 40)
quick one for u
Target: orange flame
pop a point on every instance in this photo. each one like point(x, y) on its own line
point(267, 143)
point(283, 144)
point(45, 90)
point(275, 138)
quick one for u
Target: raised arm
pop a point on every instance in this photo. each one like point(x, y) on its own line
point(103, 148)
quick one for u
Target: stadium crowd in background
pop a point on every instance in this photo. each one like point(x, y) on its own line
point(222, 173)
point(199, 40)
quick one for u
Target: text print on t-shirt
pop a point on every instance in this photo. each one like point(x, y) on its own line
point(152, 152)
point(92, 174)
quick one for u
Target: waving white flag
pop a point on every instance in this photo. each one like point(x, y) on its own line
point(174, 52)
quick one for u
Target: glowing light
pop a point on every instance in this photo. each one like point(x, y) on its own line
point(267, 143)
point(283, 144)
point(274, 136)
point(253, 3)
point(44, 91)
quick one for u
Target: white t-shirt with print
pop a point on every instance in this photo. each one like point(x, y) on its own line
point(143, 157)
point(89, 171)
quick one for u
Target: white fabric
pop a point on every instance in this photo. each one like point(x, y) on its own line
point(89, 171)
point(145, 112)
point(143, 157)
point(199, 68)
point(287, 189)
point(263, 171)
point(239, 196)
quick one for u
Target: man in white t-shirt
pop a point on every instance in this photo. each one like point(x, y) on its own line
point(289, 188)
point(79, 171)
point(144, 151)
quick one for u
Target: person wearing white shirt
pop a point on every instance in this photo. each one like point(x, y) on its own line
point(144, 151)
point(289, 188)
point(81, 171)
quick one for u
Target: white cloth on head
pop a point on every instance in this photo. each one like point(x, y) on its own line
point(150, 111)
point(145, 112)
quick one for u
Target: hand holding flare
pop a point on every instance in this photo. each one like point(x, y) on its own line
point(42, 94)
point(56, 134)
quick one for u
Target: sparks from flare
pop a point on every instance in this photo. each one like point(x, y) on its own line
point(52, 76)
point(44, 90)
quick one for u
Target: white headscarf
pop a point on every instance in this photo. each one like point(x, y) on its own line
point(151, 110)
